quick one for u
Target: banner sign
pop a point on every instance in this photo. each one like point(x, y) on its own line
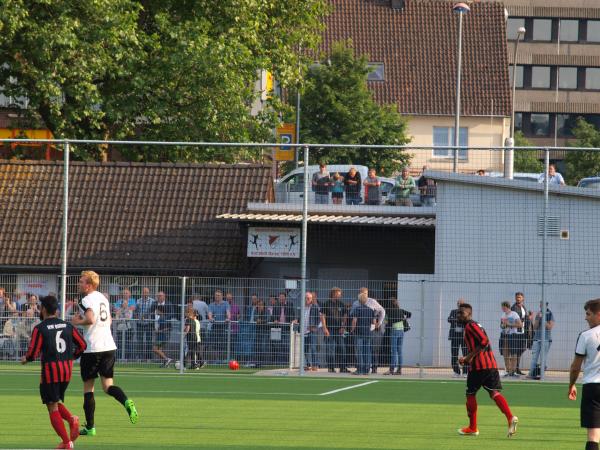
point(286, 134)
point(264, 242)
point(39, 285)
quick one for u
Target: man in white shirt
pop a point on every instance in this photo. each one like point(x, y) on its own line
point(554, 177)
point(99, 357)
point(379, 330)
point(588, 356)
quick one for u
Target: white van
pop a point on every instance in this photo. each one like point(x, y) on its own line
point(290, 187)
point(519, 176)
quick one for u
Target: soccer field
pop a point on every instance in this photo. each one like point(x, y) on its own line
point(230, 410)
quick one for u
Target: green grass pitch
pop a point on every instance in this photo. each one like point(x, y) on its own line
point(229, 410)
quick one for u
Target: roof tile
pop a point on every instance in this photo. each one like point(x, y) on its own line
point(127, 216)
point(418, 48)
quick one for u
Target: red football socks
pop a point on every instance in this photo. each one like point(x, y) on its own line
point(472, 411)
point(501, 402)
point(59, 426)
point(64, 412)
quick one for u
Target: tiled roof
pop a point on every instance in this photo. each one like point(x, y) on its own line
point(128, 216)
point(412, 222)
point(418, 46)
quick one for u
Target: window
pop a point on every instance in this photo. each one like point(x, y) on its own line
point(593, 31)
point(376, 72)
point(542, 29)
point(519, 74)
point(512, 28)
point(540, 77)
point(540, 124)
point(567, 77)
point(519, 121)
point(592, 78)
point(296, 183)
point(594, 119)
point(443, 136)
point(569, 30)
point(565, 124)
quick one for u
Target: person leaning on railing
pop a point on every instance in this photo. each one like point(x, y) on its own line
point(123, 328)
point(406, 185)
point(263, 321)
point(536, 348)
point(7, 307)
point(221, 315)
point(145, 324)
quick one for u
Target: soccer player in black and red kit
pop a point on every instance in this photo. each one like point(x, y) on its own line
point(58, 343)
point(483, 372)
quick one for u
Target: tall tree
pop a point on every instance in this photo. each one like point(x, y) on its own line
point(337, 107)
point(581, 164)
point(526, 160)
point(153, 70)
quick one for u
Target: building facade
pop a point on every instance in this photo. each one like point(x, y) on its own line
point(557, 67)
point(412, 47)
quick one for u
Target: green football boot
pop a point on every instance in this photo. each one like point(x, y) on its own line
point(85, 431)
point(133, 414)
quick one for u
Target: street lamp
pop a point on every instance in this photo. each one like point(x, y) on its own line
point(461, 9)
point(509, 154)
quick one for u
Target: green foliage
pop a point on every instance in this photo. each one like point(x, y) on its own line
point(526, 160)
point(178, 70)
point(337, 107)
point(581, 164)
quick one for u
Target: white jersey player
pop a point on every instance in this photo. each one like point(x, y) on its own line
point(587, 354)
point(99, 357)
point(98, 336)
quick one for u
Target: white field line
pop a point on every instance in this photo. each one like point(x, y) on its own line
point(183, 392)
point(348, 388)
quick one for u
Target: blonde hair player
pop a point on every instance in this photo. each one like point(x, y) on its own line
point(99, 356)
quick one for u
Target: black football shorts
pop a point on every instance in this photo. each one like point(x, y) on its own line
point(94, 364)
point(53, 392)
point(488, 379)
point(590, 405)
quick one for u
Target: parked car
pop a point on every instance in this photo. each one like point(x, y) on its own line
point(290, 187)
point(589, 183)
point(520, 176)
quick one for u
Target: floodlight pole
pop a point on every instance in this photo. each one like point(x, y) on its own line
point(509, 152)
point(461, 9)
point(65, 224)
point(543, 355)
point(303, 260)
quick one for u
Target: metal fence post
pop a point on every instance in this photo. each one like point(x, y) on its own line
point(303, 259)
point(65, 227)
point(422, 332)
point(182, 327)
point(542, 358)
point(292, 345)
point(228, 340)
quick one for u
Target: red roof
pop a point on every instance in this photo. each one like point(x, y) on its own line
point(154, 218)
point(418, 46)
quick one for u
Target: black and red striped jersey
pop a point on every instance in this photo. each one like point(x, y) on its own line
point(58, 343)
point(475, 336)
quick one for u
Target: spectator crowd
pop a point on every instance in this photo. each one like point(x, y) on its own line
point(335, 187)
point(339, 332)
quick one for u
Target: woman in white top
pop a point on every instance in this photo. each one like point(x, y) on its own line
point(509, 322)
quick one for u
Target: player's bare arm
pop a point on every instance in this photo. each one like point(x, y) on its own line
point(467, 359)
point(87, 319)
point(573, 375)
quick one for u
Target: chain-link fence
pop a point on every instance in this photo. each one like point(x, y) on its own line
point(424, 234)
point(257, 323)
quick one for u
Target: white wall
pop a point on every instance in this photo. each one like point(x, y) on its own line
point(487, 248)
